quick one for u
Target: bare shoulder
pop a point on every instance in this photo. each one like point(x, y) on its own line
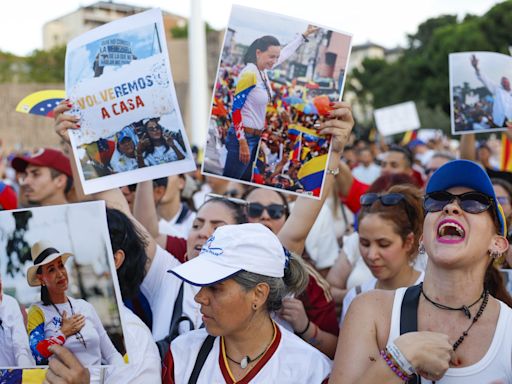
point(376, 301)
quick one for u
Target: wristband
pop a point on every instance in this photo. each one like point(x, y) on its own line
point(399, 357)
point(305, 329)
point(395, 367)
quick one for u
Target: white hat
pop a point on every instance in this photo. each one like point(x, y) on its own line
point(42, 253)
point(234, 248)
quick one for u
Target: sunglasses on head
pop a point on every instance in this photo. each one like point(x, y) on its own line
point(275, 211)
point(368, 199)
point(471, 202)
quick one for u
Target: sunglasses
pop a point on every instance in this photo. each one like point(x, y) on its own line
point(389, 199)
point(470, 202)
point(275, 211)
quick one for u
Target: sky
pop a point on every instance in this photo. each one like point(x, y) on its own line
point(383, 22)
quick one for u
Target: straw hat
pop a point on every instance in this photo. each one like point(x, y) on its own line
point(43, 253)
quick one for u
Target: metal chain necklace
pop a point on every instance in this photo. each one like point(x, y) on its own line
point(78, 334)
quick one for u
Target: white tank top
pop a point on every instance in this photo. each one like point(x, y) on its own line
point(496, 365)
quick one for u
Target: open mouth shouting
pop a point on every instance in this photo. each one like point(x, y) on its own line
point(450, 231)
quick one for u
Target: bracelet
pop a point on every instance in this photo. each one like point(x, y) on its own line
point(333, 172)
point(305, 329)
point(399, 357)
point(397, 369)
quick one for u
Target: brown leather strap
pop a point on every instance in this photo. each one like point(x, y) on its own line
point(253, 131)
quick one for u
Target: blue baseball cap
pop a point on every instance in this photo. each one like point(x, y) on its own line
point(465, 173)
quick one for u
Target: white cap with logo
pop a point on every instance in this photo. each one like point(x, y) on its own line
point(234, 248)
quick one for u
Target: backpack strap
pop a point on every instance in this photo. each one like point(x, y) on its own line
point(163, 345)
point(206, 347)
point(409, 317)
point(185, 211)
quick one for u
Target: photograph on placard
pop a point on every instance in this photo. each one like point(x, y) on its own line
point(58, 286)
point(276, 78)
point(480, 92)
point(119, 80)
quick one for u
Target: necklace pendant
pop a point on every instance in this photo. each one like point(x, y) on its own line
point(245, 362)
point(466, 311)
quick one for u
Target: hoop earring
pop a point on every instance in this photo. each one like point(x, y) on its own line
point(254, 307)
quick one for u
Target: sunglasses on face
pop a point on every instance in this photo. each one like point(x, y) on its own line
point(275, 211)
point(471, 202)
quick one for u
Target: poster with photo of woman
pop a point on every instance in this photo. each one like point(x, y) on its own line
point(58, 287)
point(119, 82)
point(276, 78)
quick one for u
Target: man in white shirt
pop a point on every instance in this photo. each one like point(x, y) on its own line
point(366, 171)
point(502, 106)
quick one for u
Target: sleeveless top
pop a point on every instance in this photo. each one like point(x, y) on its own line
point(496, 365)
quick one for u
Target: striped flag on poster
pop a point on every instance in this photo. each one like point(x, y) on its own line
point(408, 137)
point(311, 174)
point(245, 85)
point(506, 153)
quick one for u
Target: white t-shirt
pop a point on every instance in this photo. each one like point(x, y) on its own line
point(288, 360)
point(365, 287)
point(44, 321)
point(321, 244)
point(494, 368)
point(122, 163)
point(143, 357)
point(172, 228)
point(368, 174)
point(160, 155)
point(14, 347)
point(161, 290)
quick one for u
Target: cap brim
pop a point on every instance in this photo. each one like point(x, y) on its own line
point(19, 164)
point(32, 279)
point(201, 271)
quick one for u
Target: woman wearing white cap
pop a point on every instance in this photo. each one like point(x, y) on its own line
point(14, 348)
point(448, 330)
point(244, 272)
point(60, 319)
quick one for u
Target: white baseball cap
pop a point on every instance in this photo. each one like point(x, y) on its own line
point(234, 248)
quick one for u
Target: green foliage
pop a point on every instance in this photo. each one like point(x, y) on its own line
point(421, 73)
point(182, 32)
point(46, 66)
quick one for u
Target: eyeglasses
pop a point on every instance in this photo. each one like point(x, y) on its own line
point(471, 202)
point(275, 211)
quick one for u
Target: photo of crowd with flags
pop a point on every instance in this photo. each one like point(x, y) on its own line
point(291, 154)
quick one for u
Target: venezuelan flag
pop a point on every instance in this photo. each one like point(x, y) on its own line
point(506, 153)
point(311, 174)
point(297, 148)
point(408, 137)
point(246, 83)
point(41, 103)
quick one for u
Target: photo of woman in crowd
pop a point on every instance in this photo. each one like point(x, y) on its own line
point(60, 319)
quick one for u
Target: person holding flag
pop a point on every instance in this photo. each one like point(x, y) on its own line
point(253, 93)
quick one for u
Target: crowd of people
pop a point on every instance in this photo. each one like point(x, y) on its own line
point(225, 283)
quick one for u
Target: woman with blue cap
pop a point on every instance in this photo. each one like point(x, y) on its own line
point(449, 329)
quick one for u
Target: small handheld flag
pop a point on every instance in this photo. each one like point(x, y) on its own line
point(41, 103)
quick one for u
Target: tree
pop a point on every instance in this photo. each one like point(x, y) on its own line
point(46, 66)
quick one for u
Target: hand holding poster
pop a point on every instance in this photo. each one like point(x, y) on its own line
point(275, 82)
point(480, 92)
point(119, 80)
point(397, 118)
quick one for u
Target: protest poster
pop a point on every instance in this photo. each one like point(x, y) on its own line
point(397, 118)
point(65, 251)
point(275, 79)
point(480, 92)
point(118, 78)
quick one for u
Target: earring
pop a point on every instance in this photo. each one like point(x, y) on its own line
point(254, 307)
point(494, 254)
point(421, 249)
